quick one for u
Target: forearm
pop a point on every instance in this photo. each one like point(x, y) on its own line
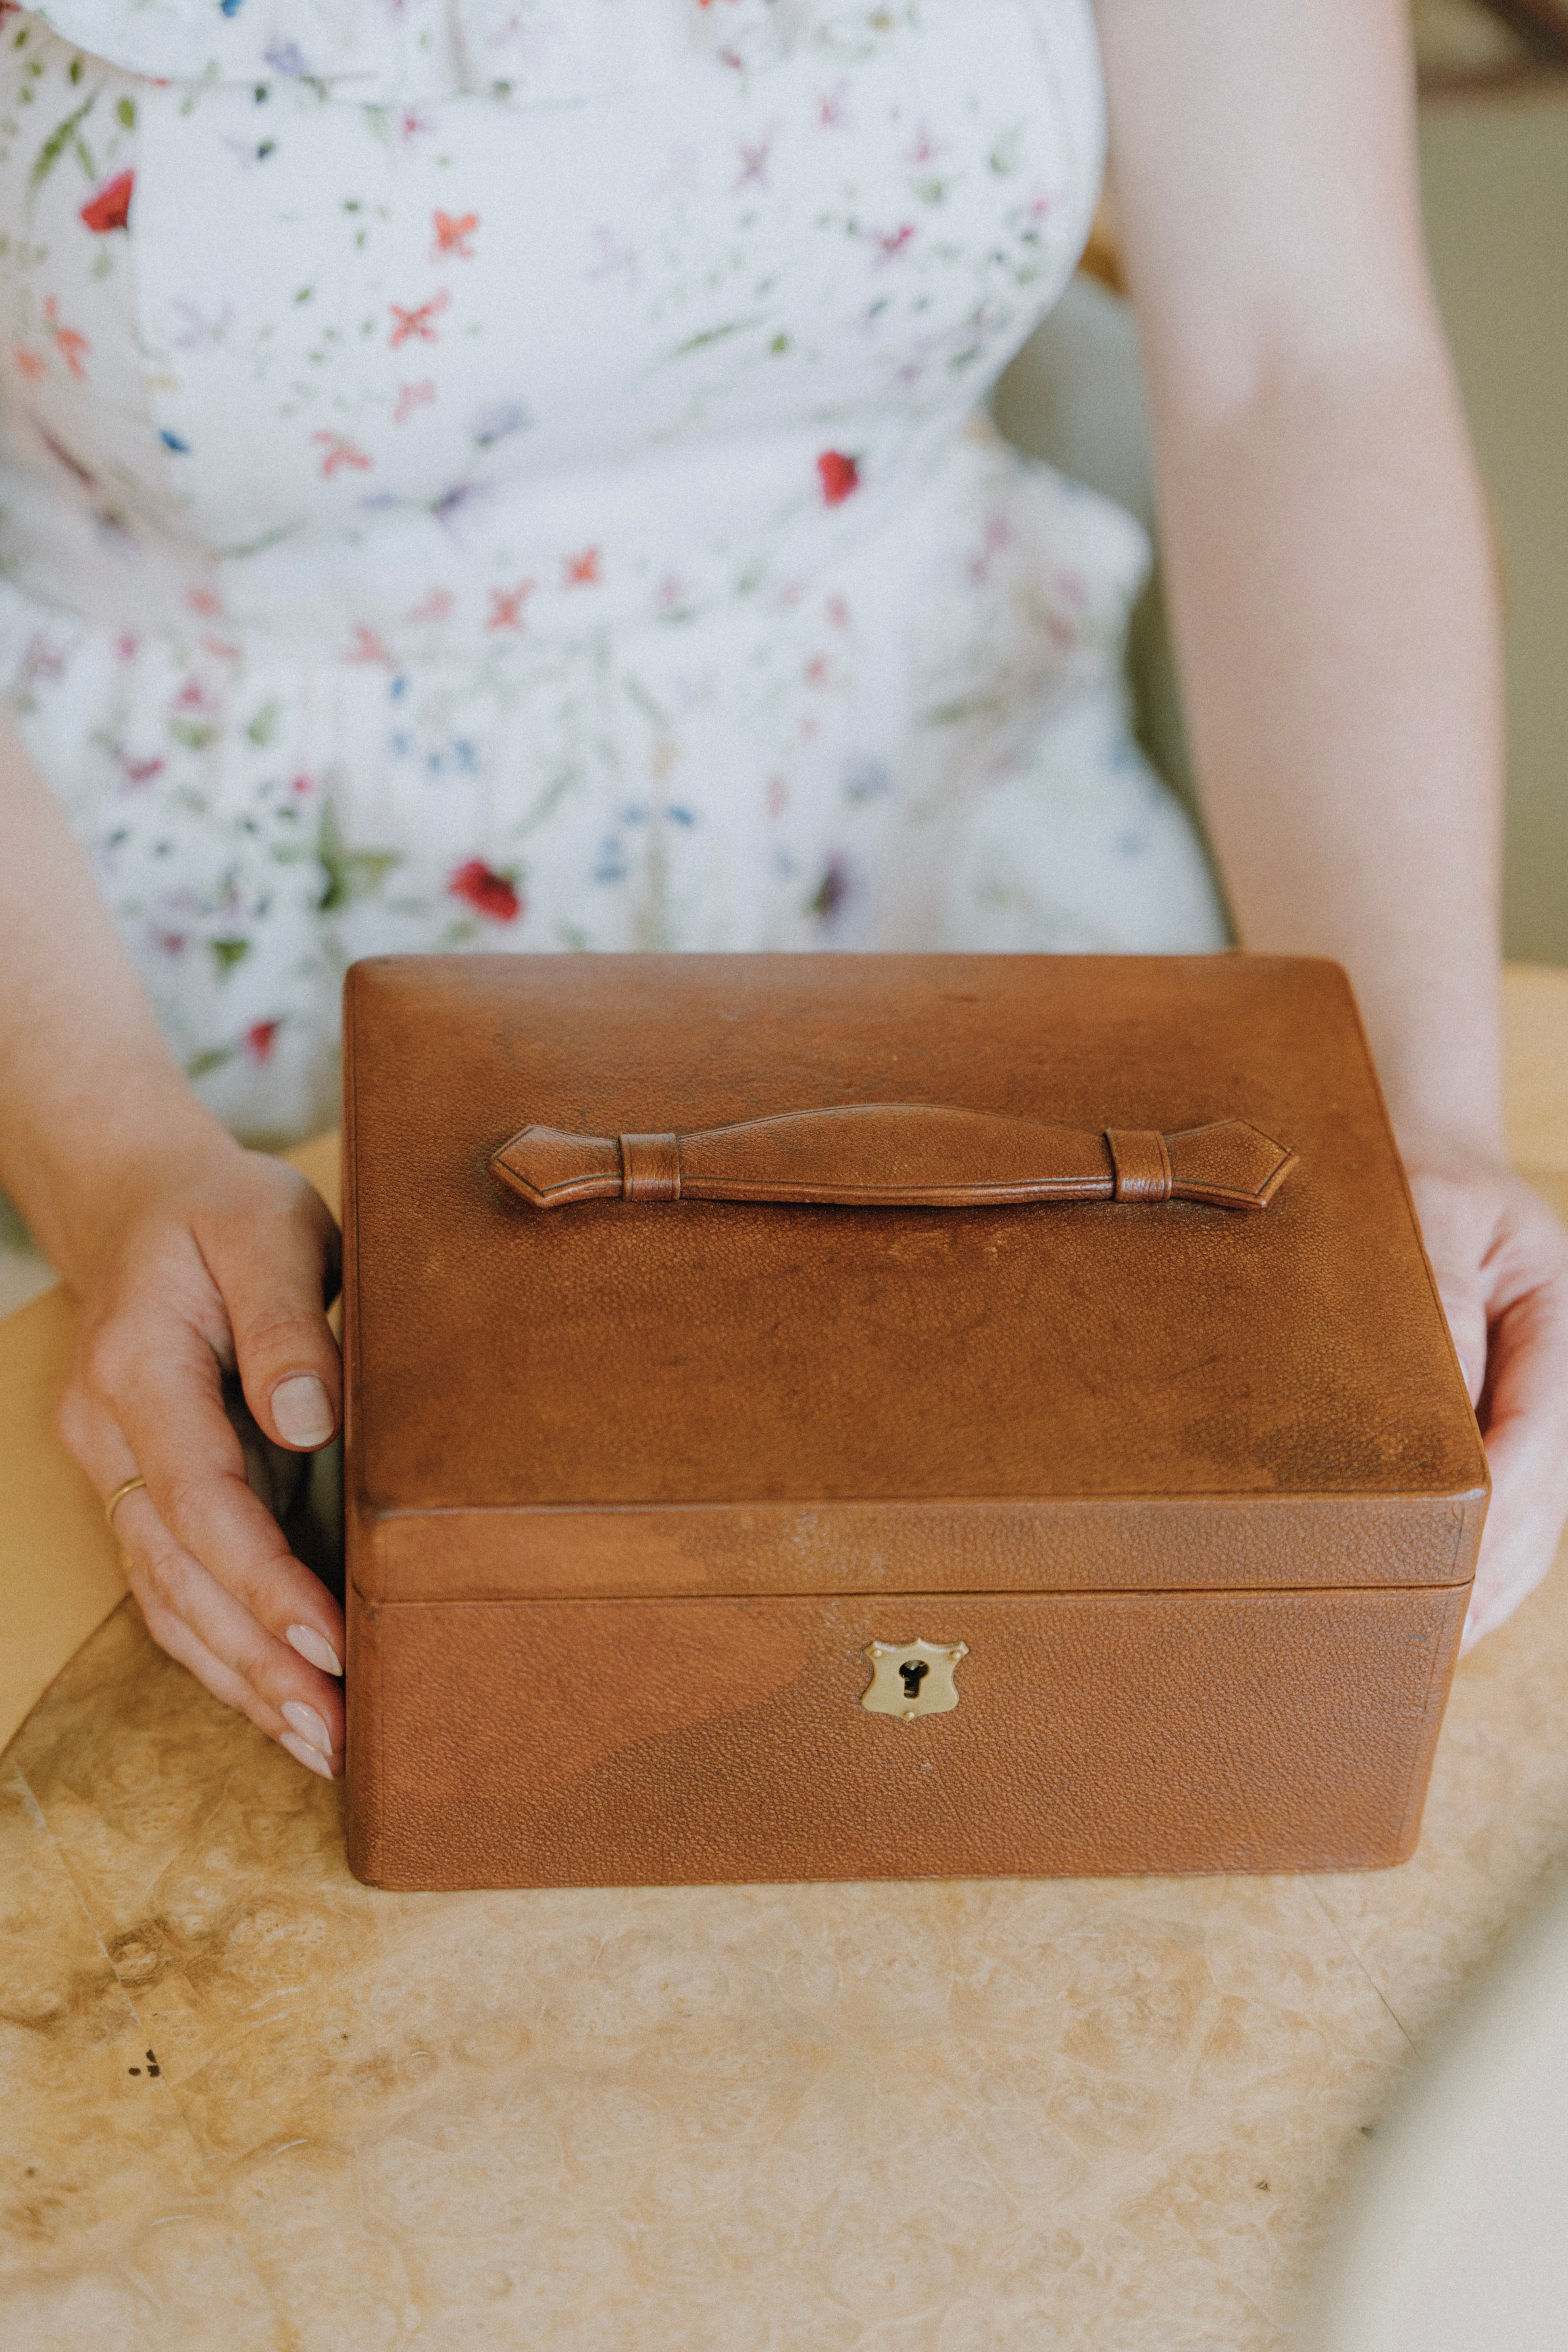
point(1333, 599)
point(88, 1091)
point(1322, 528)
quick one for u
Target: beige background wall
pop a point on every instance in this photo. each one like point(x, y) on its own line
point(1495, 181)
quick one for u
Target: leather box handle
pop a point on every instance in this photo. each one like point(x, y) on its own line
point(899, 1156)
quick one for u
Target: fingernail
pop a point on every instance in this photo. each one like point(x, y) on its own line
point(315, 1647)
point(302, 1411)
point(307, 1724)
point(302, 1754)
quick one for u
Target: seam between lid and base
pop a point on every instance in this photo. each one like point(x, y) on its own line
point(383, 1513)
point(935, 1597)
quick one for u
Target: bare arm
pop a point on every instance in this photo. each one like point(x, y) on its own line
point(1326, 542)
point(192, 1258)
point(88, 1091)
point(1335, 615)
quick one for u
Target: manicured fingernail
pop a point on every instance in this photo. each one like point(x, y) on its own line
point(302, 1411)
point(311, 1644)
point(307, 1724)
point(304, 1754)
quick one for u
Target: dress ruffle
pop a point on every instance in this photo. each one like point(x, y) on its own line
point(540, 52)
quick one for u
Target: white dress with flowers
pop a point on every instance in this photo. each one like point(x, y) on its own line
point(508, 473)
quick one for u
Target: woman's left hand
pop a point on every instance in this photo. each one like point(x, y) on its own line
point(1501, 1262)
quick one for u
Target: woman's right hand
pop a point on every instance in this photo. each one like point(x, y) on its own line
point(192, 1259)
point(216, 1260)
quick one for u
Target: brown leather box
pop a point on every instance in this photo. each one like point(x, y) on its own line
point(1024, 1440)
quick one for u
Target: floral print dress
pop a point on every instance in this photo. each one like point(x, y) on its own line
point(511, 473)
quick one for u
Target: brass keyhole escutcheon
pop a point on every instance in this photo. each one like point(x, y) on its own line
point(911, 1679)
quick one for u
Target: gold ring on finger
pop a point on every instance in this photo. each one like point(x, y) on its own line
point(126, 1486)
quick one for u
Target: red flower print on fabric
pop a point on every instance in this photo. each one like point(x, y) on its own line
point(433, 607)
point(416, 323)
point(754, 162)
point(259, 1039)
point(488, 892)
point(452, 235)
point(111, 207)
point(341, 452)
point(71, 345)
point(582, 571)
point(412, 396)
point(840, 476)
point(506, 607)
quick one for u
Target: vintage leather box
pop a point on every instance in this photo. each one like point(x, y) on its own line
point(1025, 1440)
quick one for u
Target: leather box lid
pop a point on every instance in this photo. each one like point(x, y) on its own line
point(614, 1354)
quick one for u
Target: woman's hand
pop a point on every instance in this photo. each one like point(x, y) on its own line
point(216, 1261)
point(1501, 1262)
point(192, 1259)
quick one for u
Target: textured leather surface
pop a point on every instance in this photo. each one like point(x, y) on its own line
point(1141, 1161)
point(673, 1742)
point(896, 1155)
point(1204, 1489)
point(1263, 1542)
point(729, 1353)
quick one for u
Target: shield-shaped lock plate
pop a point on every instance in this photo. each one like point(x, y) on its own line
point(912, 1678)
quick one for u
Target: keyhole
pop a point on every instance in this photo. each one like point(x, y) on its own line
point(914, 1672)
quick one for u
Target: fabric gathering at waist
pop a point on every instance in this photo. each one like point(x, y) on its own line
point(549, 562)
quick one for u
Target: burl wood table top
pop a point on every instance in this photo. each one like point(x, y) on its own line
point(250, 2104)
